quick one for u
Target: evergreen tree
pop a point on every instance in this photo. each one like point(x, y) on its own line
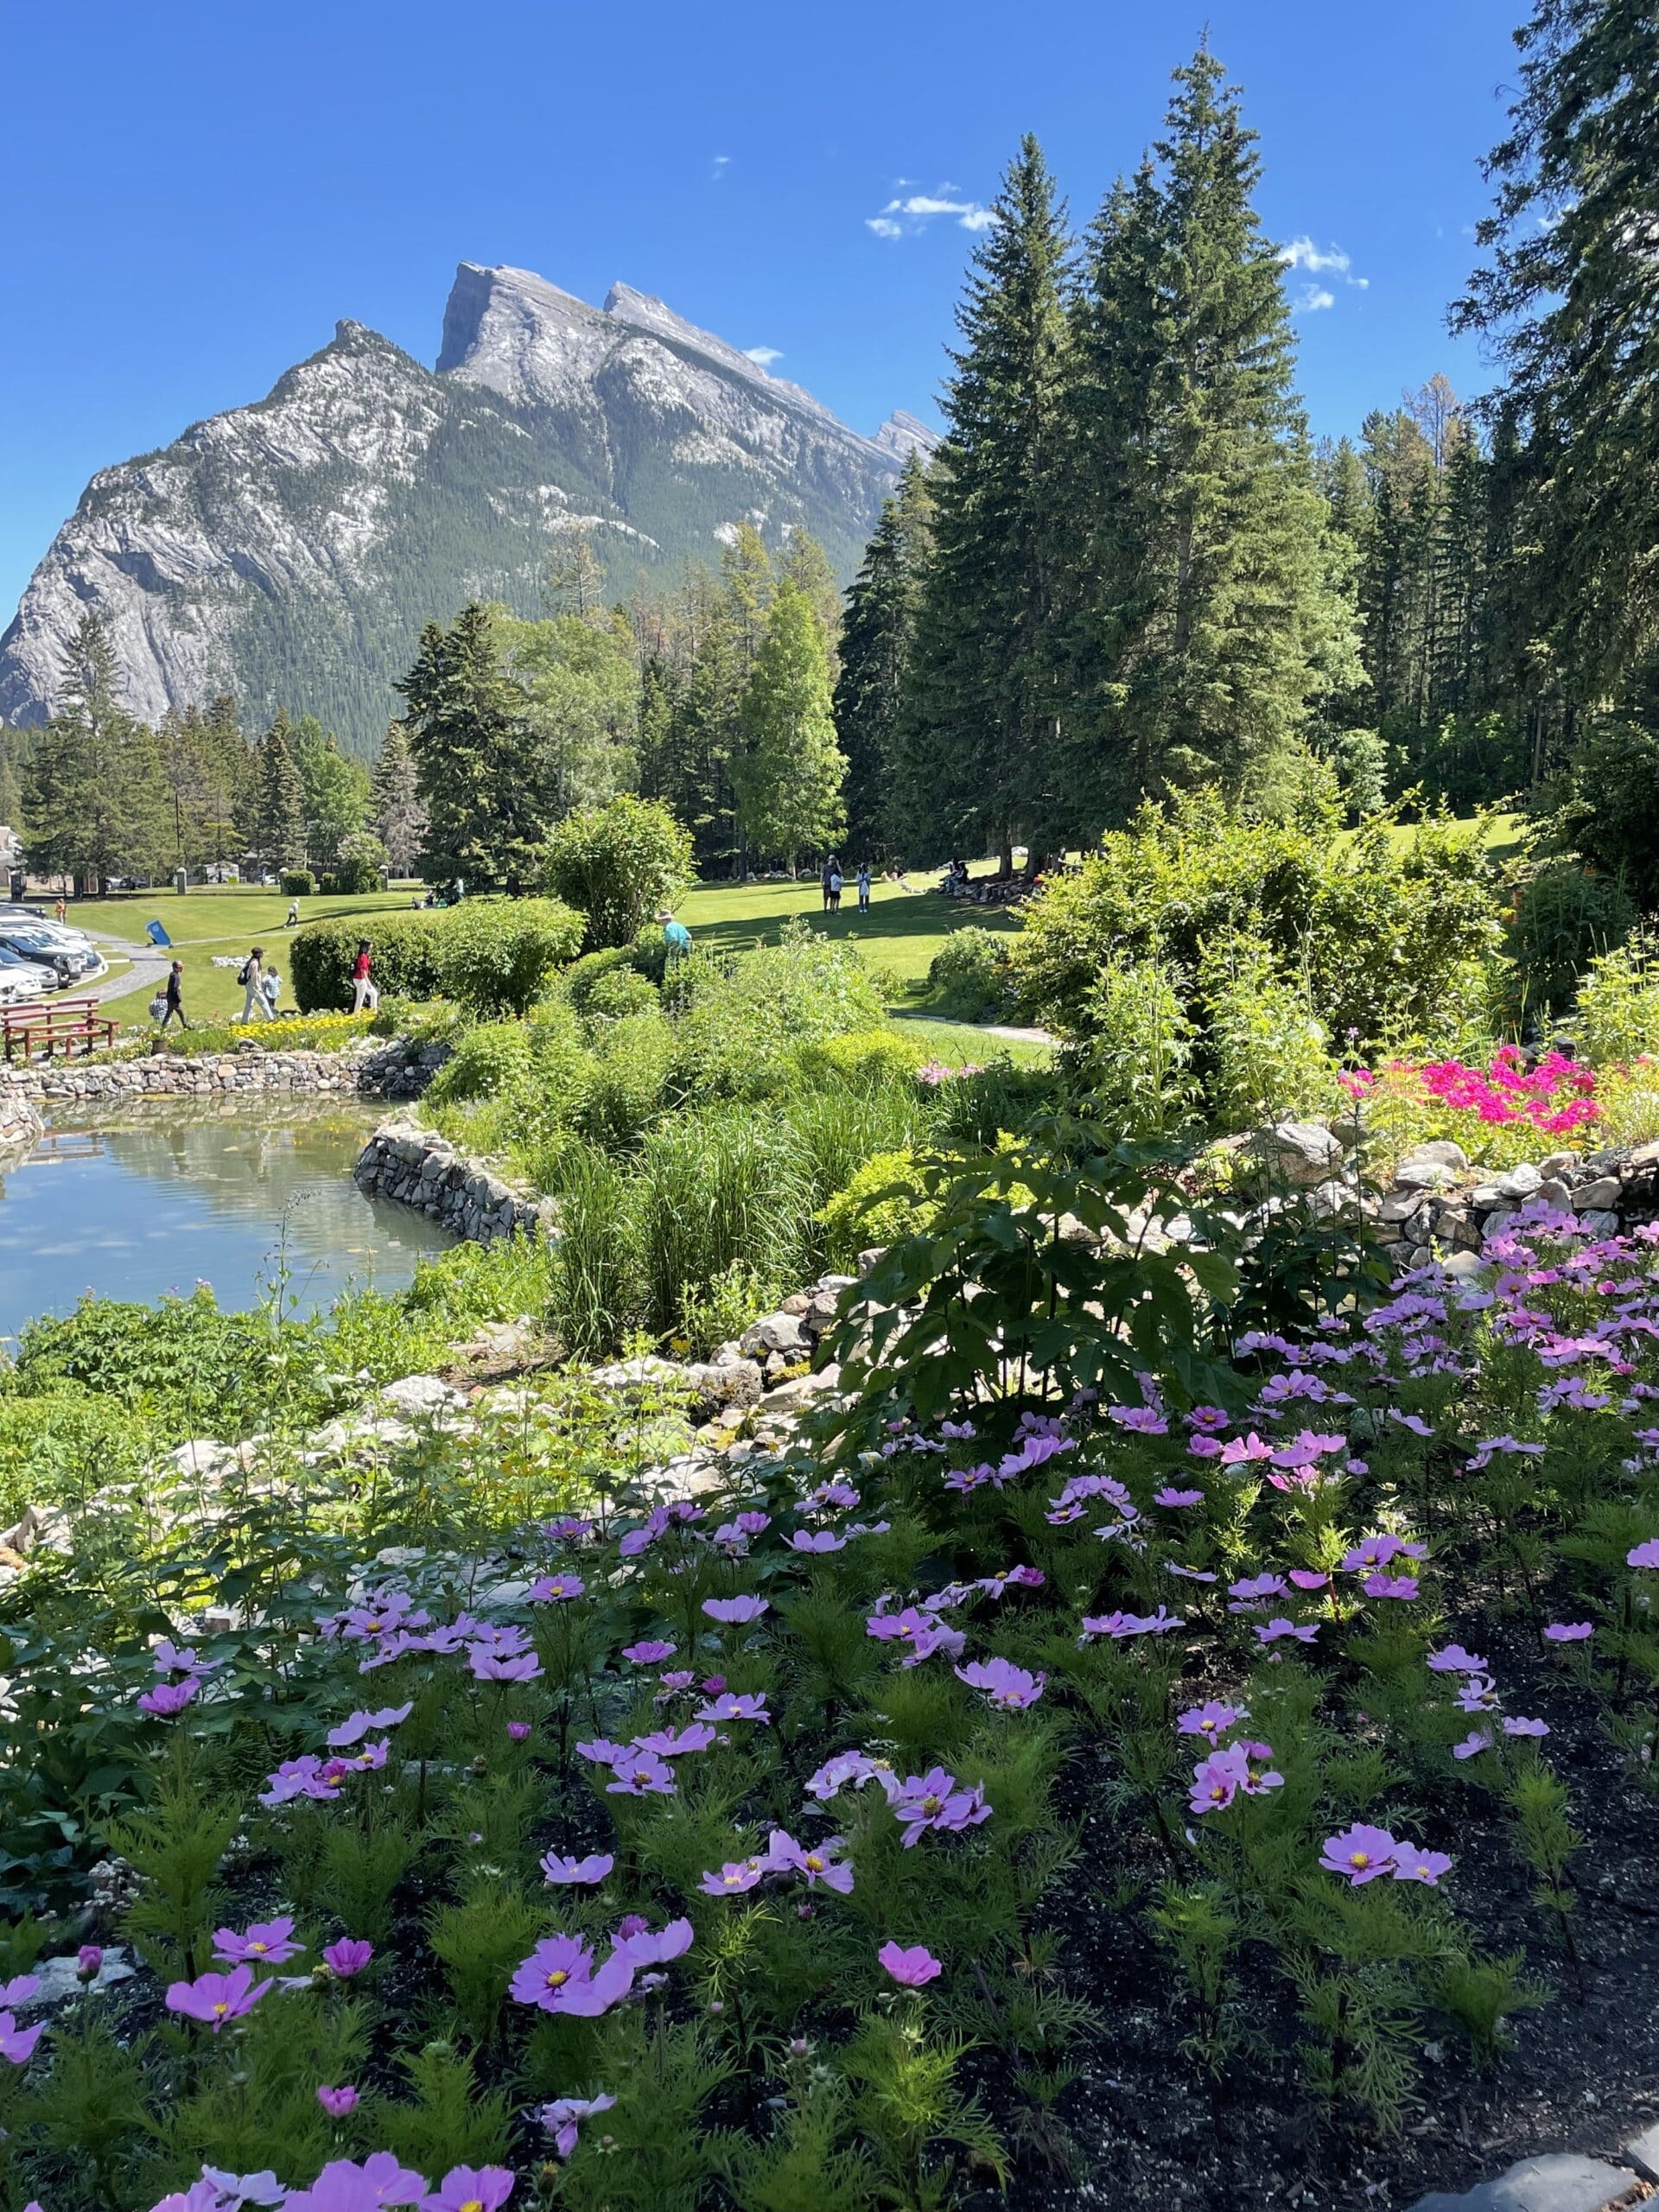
point(275, 828)
point(807, 566)
point(878, 634)
point(336, 789)
point(788, 770)
point(1568, 299)
point(981, 762)
point(93, 803)
point(575, 583)
point(474, 757)
point(396, 810)
point(1209, 623)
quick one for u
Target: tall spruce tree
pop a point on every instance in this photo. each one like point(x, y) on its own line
point(475, 758)
point(1207, 624)
point(1568, 298)
point(396, 809)
point(93, 796)
point(788, 769)
point(878, 634)
point(981, 762)
point(275, 828)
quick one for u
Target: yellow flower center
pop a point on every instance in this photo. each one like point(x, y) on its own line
point(1359, 1859)
point(474, 2204)
point(219, 2010)
point(256, 1947)
point(814, 1864)
point(931, 1804)
point(558, 1979)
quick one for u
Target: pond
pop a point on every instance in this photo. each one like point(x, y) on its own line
point(157, 1199)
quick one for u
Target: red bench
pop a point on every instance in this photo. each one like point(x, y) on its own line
point(46, 1031)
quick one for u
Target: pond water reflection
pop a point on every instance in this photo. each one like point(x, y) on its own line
point(175, 1194)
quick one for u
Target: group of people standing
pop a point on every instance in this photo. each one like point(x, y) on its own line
point(832, 882)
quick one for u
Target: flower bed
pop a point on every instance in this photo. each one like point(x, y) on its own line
point(1509, 1111)
point(1031, 1770)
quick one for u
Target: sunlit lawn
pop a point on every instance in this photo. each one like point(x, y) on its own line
point(901, 934)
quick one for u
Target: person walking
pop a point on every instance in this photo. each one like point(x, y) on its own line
point(834, 885)
point(864, 887)
point(251, 976)
point(174, 995)
point(292, 921)
point(364, 994)
point(270, 990)
point(62, 909)
point(676, 936)
point(824, 881)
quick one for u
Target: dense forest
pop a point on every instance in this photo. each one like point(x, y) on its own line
point(1127, 572)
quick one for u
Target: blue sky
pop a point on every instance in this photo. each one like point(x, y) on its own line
point(193, 194)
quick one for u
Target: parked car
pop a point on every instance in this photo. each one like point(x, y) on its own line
point(22, 980)
point(69, 964)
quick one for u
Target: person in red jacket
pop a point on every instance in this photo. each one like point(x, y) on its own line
point(364, 992)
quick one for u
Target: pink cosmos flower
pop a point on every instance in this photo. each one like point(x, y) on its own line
point(490, 1667)
point(353, 1731)
point(734, 1612)
point(1390, 1585)
point(21, 1989)
point(267, 1943)
point(1212, 1719)
point(910, 1967)
point(1411, 1864)
point(337, 2102)
point(641, 1774)
point(1568, 1631)
point(594, 1868)
point(559, 1976)
point(216, 1999)
point(1360, 1853)
point(348, 1957)
point(1454, 1659)
point(817, 1541)
point(818, 1862)
point(1010, 1688)
point(17, 2045)
point(564, 2116)
point(555, 1589)
point(643, 1948)
point(470, 2188)
point(936, 1799)
point(1476, 1741)
point(1278, 1629)
point(1516, 1725)
point(1177, 1498)
point(751, 1705)
point(674, 1743)
point(167, 1700)
point(735, 1879)
point(647, 1653)
point(89, 1961)
point(344, 2186)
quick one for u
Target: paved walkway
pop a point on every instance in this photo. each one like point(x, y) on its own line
point(150, 967)
point(979, 1029)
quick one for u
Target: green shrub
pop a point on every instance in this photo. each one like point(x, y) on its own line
point(491, 956)
point(494, 1057)
point(969, 973)
point(630, 1066)
point(360, 866)
point(595, 1293)
point(1268, 1049)
point(583, 975)
point(1610, 817)
point(1563, 917)
point(715, 1188)
point(1615, 1017)
point(878, 1204)
point(1138, 1060)
point(623, 991)
point(616, 864)
point(865, 1057)
point(743, 1020)
point(297, 882)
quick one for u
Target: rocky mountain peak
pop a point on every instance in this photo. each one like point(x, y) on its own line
point(903, 434)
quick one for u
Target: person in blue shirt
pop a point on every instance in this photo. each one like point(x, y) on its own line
point(676, 935)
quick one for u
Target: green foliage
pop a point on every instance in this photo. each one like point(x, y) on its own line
point(788, 770)
point(299, 883)
point(359, 865)
point(1610, 815)
point(492, 957)
point(740, 1020)
point(969, 973)
point(881, 1203)
point(1615, 1014)
point(616, 865)
point(1562, 918)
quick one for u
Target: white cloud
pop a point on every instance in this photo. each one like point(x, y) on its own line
point(1314, 296)
point(1302, 253)
point(722, 162)
point(764, 356)
point(904, 217)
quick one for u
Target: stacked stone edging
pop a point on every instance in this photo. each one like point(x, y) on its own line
point(20, 1120)
point(375, 1069)
point(417, 1167)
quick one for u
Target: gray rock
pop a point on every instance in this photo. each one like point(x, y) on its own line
point(1644, 2154)
point(1520, 1182)
point(776, 1332)
point(1500, 1218)
point(59, 1979)
point(1422, 1175)
point(1557, 1163)
point(1484, 1197)
point(1600, 1197)
point(1442, 1152)
point(726, 1382)
point(1302, 1152)
point(1553, 1192)
point(1325, 1201)
point(1464, 1267)
point(1563, 2181)
point(1400, 1206)
point(624, 1374)
point(1600, 1222)
point(417, 1397)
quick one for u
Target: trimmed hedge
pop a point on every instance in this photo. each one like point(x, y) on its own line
point(493, 956)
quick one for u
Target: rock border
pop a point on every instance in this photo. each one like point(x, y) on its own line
point(415, 1167)
point(375, 1068)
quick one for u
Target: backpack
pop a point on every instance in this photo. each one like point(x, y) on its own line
point(245, 974)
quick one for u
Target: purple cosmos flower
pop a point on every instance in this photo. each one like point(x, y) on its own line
point(559, 1976)
point(470, 2188)
point(344, 2186)
point(346, 1958)
point(21, 1989)
point(1239, 1450)
point(1644, 1556)
point(1253, 1587)
point(564, 2116)
point(1568, 1631)
point(517, 1731)
point(817, 1540)
point(17, 2045)
point(1376, 1551)
point(1411, 1864)
point(910, 1967)
point(673, 1744)
point(641, 1774)
point(1303, 1578)
point(1277, 1629)
point(1477, 1740)
point(836, 1773)
point(262, 2189)
point(1516, 1725)
point(1216, 1782)
point(167, 1700)
point(819, 1862)
point(594, 1868)
point(1119, 1626)
point(649, 1653)
point(555, 1589)
point(216, 1999)
point(570, 1529)
point(1212, 1719)
point(1454, 1659)
point(1359, 1853)
point(267, 1943)
point(935, 1800)
point(490, 1667)
point(752, 1705)
point(1477, 1693)
point(735, 1878)
point(645, 1949)
point(337, 2102)
point(353, 1731)
point(1390, 1585)
point(734, 1612)
point(1177, 1497)
point(1010, 1688)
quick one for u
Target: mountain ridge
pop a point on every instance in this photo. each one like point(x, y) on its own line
point(289, 549)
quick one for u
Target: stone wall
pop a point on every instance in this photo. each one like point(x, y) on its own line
point(378, 1068)
point(417, 1167)
point(20, 1120)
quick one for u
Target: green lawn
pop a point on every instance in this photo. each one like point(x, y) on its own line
point(224, 919)
point(901, 934)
